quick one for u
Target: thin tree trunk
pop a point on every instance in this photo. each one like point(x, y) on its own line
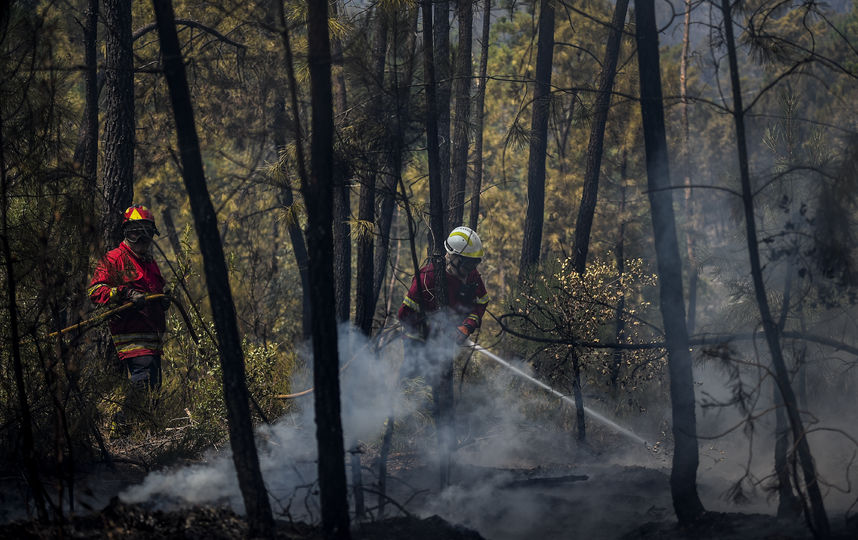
point(619, 313)
point(587, 210)
point(296, 236)
point(579, 397)
point(118, 174)
point(474, 218)
point(443, 398)
point(443, 82)
point(401, 91)
point(788, 503)
point(89, 149)
point(817, 517)
point(259, 517)
point(533, 221)
point(166, 210)
point(342, 204)
point(318, 192)
point(693, 272)
point(462, 94)
point(31, 467)
point(683, 475)
point(364, 287)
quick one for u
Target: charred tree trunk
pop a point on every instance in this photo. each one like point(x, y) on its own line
point(683, 475)
point(587, 210)
point(318, 192)
point(443, 82)
point(816, 516)
point(259, 516)
point(462, 93)
point(118, 174)
point(532, 242)
point(480, 118)
point(287, 200)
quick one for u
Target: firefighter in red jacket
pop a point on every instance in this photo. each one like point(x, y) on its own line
point(466, 293)
point(130, 273)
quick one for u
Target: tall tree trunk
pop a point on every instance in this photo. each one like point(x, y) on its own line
point(87, 151)
point(31, 466)
point(443, 82)
point(532, 242)
point(443, 392)
point(401, 91)
point(342, 203)
point(816, 517)
point(693, 273)
point(286, 199)
point(683, 475)
point(474, 217)
point(259, 516)
point(118, 174)
point(587, 210)
point(462, 94)
point(318, 192)
point(365, 285)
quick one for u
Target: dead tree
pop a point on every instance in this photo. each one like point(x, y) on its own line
point(816, 516)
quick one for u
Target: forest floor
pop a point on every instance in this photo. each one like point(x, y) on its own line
point(589, 495)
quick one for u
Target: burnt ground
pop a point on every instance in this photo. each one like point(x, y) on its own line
point(595, 497)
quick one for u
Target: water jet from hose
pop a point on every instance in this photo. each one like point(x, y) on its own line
point(591, 413)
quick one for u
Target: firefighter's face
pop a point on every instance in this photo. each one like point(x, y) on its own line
point(460, 266)
point(140, 234)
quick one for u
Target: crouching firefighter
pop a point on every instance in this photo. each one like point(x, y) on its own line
point(420, 315)
point(130, 273)
point(431, 336)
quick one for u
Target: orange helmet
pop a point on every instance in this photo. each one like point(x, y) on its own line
point(138, 212)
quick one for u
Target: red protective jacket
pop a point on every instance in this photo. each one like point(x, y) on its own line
point(135, 332)
point(468, 299)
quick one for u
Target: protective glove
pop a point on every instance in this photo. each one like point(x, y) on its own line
point(462, 334)
point(167, 299)
point(138, 297)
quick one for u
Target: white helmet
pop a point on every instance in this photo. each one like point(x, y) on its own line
point(465, 242)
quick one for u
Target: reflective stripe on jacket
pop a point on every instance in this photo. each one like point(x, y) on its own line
point(468, 298)
point(135, 332)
